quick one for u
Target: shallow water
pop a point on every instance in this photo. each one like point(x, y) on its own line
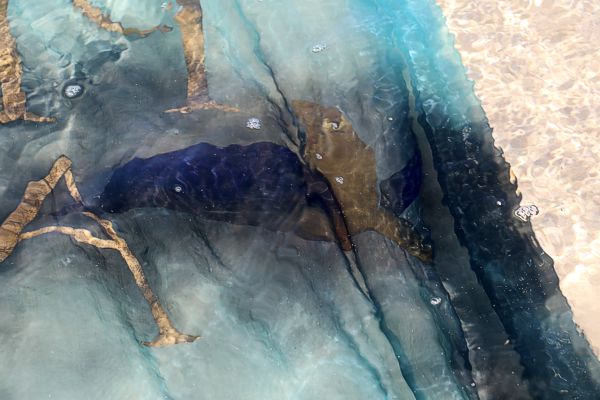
point(535, 70)
point(273, 211)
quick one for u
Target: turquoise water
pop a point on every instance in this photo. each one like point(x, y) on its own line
point(281, 314)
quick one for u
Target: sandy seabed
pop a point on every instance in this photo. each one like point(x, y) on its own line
point(536, 67)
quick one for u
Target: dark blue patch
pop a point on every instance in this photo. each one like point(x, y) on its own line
point(401, 189)
point(239, 184)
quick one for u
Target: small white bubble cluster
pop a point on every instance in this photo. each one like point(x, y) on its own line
point(318, 156)
point(178, 189)
point(526, 212)
point(319, 47)
point(466, 131)
point(339, 179)
point(72, 91)
point(436, 301)
point(253, 123)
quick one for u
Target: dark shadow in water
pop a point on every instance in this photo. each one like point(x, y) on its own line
point(517, 275)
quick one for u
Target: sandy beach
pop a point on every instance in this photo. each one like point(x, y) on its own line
point(536, 71)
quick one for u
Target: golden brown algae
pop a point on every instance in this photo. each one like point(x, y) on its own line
point(189, 19)
point(334, 149)
point(95, 15)
point(13, 99)
point(11, 233)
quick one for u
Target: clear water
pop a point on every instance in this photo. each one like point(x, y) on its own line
point(283, 308)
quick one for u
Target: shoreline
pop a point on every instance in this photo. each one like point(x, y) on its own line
point(534, 72)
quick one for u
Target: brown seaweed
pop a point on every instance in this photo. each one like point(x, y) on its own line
point(11, 233)
point(334, 149)
point(96, 15)
point(11, 72)
point(189, 20)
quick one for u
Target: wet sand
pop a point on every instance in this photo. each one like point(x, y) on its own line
point(536, 71)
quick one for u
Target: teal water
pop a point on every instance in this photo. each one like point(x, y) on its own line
point(281, 317)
